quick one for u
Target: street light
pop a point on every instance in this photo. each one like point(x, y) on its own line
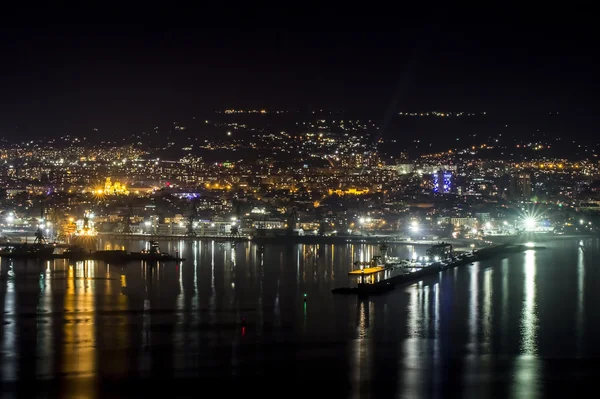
point(414, 226)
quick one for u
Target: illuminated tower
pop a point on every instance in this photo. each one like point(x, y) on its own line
point(442, 182)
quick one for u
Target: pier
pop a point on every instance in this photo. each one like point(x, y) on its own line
point(388, 284)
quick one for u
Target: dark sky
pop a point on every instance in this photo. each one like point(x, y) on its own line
point(66, 70)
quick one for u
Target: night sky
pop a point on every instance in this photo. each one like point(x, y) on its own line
point(63, 72)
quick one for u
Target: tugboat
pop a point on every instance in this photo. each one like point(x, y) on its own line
point(152, 254)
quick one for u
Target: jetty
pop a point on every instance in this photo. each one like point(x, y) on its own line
point(376, 287)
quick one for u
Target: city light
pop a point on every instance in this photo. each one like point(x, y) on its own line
point(530, 220)
point(530, 223)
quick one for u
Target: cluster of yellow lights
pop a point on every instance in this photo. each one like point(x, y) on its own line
point(350, 191)
point(548, 165)
point(218, 186)
point(88, 233)
point(111, 188)
point(535, 147)
point(241, 111)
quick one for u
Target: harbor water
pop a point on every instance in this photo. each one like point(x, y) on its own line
point(248, 318)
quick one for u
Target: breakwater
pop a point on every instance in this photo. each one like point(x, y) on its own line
point(380, 287)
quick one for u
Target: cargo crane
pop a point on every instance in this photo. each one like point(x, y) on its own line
point(127, 228)
point(292, 220)
point(39, 233)
point(193, 213)
point(234, 231)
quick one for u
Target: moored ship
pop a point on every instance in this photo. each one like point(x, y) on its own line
point(121, 256)
point(27, 250)
point(151, 254)
point(39, 249)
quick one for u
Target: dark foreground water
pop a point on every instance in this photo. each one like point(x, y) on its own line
point(524, 326)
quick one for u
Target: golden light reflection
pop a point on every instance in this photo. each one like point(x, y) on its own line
point(362, 348)
point(298, 266)
point(79, 347)
point(332, 262)
point(120, 337)
point(363, 320)
point(248, 258)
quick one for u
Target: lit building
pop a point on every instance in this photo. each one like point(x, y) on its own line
point(85, 226)
point(442, 182)
point(520, 187)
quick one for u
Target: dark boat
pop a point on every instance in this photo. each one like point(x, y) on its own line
point(40, 249)
point(25, 250)
point(119, 256)
point(78, 253)
point(152, 254)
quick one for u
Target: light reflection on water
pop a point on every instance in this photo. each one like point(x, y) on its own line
point(9, 356)
point(526, 364)
point(529, 321)
point(473, 307)
point(415, 342)
point(580, 314)
point(93, 320)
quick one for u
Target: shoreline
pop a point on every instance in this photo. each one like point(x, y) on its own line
point(374, 239)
